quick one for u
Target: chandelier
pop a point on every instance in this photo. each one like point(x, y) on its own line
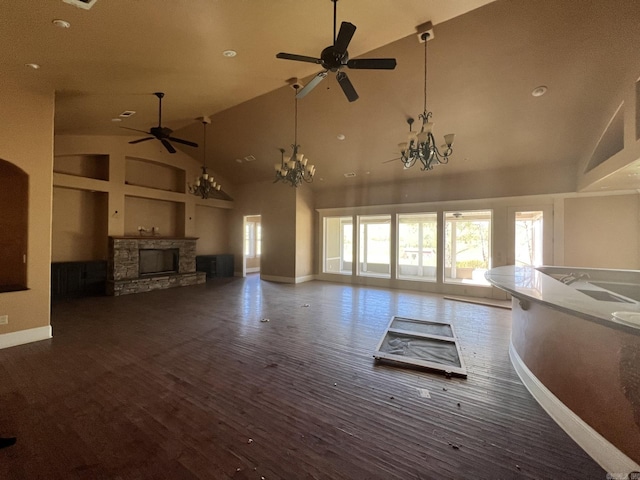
point(421, 146)
point(204, 186)
point(294, 169)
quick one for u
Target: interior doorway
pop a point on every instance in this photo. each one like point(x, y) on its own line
point(252, 249)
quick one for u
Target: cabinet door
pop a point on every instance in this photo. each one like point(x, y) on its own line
point(74, 279)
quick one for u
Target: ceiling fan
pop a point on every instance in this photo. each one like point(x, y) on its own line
point(161, 133)
point(335, 57)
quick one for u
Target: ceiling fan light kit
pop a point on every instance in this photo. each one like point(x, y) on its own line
point(294, 169)
point(421, 146)
point(336, 57)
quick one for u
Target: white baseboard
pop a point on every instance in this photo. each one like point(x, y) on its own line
point(278, 279)
point(596, 446)
point(274, 278)
point(306, 278)
point(253, 269)
point(25, 336)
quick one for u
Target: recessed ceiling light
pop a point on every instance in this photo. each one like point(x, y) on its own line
point(341, 136)
point(350, 175)
point(61, 23)
point(127, 113)
point(229, 53)
point(249, 158)
point(35, 66)
point(539, 91)
point(239, 160)
point(116, 119)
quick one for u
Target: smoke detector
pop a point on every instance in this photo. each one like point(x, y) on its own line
point(85, 4)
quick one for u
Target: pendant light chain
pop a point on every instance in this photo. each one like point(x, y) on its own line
point(295, 129)
point(294, 169)
point(204, 145)
point(421, 146)
point(425, 72)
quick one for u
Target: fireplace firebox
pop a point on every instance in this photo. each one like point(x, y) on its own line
point(154, 261)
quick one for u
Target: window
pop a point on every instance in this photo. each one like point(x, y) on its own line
point(338, 245)
point(252, 239)
point(417, 246)
point(528, 247)
point(374, 254)
point(467, 246)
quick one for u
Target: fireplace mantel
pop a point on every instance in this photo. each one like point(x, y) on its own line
point(123, 274)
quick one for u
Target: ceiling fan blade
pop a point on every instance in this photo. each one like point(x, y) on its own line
point(347, 87)
point(373, 63)
point(167, 145)
point(184, 142)
point(312, 84)
point(136, 130)
point(344, 37)
point(141, 140)
point(298, 58)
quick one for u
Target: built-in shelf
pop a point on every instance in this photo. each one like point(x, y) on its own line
point(88, 166)
point(159, 176)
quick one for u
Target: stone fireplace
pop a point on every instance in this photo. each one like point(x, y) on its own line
point(141, 264)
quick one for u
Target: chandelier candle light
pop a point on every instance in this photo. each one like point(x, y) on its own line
point(294, 169)
point(422, 145)
point(204, 186)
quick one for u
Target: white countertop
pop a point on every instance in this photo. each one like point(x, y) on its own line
point(527, 283)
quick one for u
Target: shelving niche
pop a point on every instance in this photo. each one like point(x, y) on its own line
point(88, 165)
point(158, 176)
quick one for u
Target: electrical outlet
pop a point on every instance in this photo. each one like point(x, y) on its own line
point(4, 319)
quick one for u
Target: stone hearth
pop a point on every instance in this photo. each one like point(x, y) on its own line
point(123, 274)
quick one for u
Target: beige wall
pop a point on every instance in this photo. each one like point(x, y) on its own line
point(305, 232)
point(26, 140)
point(276, 203)
point(212, 230)
point(79, 227)
point(167, 217)
point(442, 187)
point(602, 231)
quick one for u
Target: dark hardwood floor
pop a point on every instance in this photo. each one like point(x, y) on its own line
point(189, 383)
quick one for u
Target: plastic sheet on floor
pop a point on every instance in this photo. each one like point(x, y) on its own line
point(422, 343)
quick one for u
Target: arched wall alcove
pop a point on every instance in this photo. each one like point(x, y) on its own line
point(14, 212)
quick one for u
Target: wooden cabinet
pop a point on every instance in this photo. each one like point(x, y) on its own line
point(215, 265)
point(77, 279)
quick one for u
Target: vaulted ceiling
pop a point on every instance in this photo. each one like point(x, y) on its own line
point(484, 62)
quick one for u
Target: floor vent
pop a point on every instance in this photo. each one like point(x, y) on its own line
point(86, 4)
